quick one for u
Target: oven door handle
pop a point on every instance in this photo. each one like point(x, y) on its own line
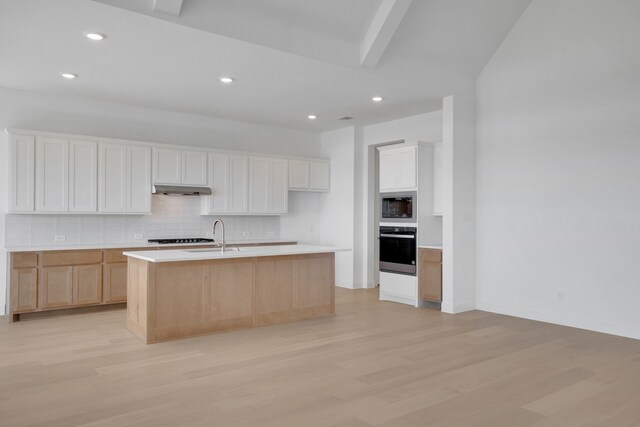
point(399, 236)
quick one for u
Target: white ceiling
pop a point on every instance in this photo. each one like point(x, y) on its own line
point(290, 58)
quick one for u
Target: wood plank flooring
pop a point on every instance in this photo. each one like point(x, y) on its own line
point(373, 364)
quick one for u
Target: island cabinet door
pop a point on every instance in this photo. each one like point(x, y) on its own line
point(294, 287)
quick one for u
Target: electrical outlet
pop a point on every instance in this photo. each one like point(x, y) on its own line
point(60, 238)
point(245, 234)
point(138, 236)
point(560, 296)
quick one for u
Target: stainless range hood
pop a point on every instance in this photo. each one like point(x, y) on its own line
point(184, 190)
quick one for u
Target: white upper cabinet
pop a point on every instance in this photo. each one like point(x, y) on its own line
point(438, 184)
point(398, 167)
point(21, 173)
point(179, 167)
point(83, 176)
point(309, 175)
point(113, 178)
point(167, 166)
point(194, 168)
point(319, 175)
point(279, 191)
point(52, 175)
point(229, 182)
point(138, 179)
point(298, 174)
point(268, 185)
point(124, 179)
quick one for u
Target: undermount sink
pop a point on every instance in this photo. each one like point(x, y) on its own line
point(227, 249)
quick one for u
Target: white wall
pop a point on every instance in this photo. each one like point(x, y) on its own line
point(328, 218)
point(558, 167)
point(423, 127)
point(21, 109)
point(459, 202)
point(337, 219)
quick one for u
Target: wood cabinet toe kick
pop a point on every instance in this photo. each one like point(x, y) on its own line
point(173, 300)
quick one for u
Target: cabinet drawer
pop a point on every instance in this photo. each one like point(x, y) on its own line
point(70, 258)
point(434, 255)
point(24, 260)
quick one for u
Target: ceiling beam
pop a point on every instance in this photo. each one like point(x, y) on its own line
point(381, 31)
point(170, 7)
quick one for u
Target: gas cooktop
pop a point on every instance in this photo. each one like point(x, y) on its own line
point(181, 240)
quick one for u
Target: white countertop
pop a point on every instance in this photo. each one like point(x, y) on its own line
point(430, 246)
point(255, 251)
point(141, 244)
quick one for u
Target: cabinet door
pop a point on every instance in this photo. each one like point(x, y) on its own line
point(279, 186)
point(298, 174)
point(112, 178)
point(319, 177)
point(114, 282)
point(24, 289)
point(229, 184)
point(259, 185)
point(406, 168)
point(219, 181)
point(238, 187)
point(21, 173)
point(388, 170)
point(430, 274)
point(437, 180)
point(52, 175)
point(87, 284)
point(83, 176)
point(55, 289)
point(167, 166)
point(194, 168)
point(138, 179)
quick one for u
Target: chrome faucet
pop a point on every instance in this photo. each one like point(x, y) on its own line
point(218, 220)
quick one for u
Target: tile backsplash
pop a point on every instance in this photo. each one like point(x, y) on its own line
point(173, 216)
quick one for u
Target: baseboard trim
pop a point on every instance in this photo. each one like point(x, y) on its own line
point(556, 319)
point(385, 296)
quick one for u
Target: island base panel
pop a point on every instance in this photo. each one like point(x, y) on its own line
point(183, 299)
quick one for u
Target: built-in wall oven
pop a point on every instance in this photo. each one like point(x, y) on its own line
point(398, 249)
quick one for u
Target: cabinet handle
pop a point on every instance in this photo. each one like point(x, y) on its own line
point(398, 236)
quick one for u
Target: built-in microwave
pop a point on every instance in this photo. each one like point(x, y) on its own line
point(398, 207)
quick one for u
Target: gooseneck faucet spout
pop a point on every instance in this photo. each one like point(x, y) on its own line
point(218, 220)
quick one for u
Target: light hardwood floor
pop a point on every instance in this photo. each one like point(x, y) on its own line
point(374, 363)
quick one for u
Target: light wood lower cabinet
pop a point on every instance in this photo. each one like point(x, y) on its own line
point(59, 279)
point(430, 274)
point(55, 287)
point(114, 282)
point(24, 296)
point(87, 284)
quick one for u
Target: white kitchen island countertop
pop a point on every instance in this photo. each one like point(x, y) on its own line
point(178, 255)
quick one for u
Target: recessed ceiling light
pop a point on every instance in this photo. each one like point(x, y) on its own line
point(312, 116)
point(69, 75)
point(226, 79)
point(377, 99)
point(91, 35)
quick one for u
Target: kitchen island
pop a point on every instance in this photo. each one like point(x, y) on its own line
point(181, 293)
